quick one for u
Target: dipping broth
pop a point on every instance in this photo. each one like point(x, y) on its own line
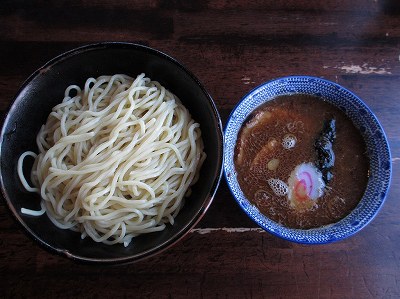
point(289, 169)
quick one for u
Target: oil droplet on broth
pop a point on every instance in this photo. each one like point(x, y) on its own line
point(278, 186)
point(289, 141)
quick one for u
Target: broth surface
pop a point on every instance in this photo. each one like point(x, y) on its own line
point(260, 155)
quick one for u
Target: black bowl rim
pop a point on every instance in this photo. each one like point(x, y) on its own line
point(182, 232)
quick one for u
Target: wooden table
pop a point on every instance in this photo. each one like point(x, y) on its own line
point(231, 46)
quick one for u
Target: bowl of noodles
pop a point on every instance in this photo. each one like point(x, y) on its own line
point(104, 151)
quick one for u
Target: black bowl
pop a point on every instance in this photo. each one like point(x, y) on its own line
point(45, 88)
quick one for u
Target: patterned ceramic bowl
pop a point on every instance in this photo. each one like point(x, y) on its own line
point(363, 119)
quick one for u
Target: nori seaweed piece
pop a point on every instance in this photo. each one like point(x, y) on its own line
point(324, 147)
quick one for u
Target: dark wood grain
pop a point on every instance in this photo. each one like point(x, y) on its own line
point(231, 46)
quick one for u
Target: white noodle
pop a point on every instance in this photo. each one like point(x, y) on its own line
point(116, 159)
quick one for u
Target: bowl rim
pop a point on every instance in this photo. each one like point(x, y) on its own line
point(228, 175)
point(181, 233)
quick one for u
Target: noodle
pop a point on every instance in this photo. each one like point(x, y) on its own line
point(115, 159)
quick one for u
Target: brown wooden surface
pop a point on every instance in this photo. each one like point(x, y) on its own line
point(231, 46)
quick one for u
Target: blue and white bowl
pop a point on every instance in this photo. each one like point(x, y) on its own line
point(363, 119)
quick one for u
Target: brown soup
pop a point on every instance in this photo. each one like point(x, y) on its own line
point(278, 162)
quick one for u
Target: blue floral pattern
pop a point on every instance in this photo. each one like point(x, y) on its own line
point(363, 119)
